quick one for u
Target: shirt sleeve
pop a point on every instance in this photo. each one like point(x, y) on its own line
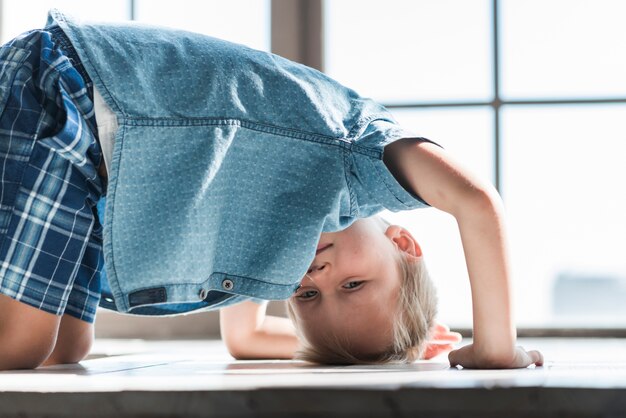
point(373, 186)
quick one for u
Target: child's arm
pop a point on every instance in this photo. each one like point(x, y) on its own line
point(432, 174)
point(250, 334)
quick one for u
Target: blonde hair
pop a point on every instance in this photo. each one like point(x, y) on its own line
point(416, 311)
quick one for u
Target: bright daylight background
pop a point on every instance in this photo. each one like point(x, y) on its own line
point(562, 165)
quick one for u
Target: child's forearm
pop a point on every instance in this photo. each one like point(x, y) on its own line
point(483, 235)
point(275, 338)
point(250, 334)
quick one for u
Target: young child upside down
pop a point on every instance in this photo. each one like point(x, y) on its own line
point(231, 177)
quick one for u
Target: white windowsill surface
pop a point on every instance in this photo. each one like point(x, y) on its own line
point(199, 378)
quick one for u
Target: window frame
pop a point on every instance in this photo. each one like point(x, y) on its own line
point(297, 29)
point(496, 104)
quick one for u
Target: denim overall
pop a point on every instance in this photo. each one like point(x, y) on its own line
point(228, 164)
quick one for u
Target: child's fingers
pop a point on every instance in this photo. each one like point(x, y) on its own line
point(527, 358)
point(536, 357)
point(447, 337)
point(461, 357)
point(442, 330)
point(454, 336)
point(441, 327)
point(435, 350)
point(465, 357)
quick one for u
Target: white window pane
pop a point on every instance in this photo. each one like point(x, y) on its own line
point(19, 16)
point(563, 48)
point(564, 180)
point(467, 134)
point(242, 21)
point(410, 50)
point(438, 236)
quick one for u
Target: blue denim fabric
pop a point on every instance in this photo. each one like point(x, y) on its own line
point(228, 165)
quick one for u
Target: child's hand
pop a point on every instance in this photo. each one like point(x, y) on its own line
point(467, 357)
point(441, 342)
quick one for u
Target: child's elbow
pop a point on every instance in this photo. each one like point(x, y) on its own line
point(238, 354)
point(480, 200)
point(238, 346)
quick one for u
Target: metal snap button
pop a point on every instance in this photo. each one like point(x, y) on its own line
point(203, 294)
point(228, 284)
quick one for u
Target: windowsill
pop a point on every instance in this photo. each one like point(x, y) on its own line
point(122, 378)
point(561, 332)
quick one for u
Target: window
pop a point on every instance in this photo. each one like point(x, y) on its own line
point(19, 16)
point(531, 95)
point(243, 21)
point(407, 51)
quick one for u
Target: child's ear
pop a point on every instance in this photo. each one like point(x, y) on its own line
point(404, 240)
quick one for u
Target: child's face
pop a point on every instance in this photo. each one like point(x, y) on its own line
point(352, 286)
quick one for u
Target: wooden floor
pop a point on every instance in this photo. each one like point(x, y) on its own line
point(132, 378)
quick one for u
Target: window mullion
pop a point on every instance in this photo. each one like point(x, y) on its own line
point(297, 31)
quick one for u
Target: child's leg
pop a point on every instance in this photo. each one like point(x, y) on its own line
point(73, 341)
point(27, 334)
point(32, 335)
point(49, 187)
point(76, 330)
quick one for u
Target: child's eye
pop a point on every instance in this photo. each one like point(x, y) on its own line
point(352, 285)
point(307, 294)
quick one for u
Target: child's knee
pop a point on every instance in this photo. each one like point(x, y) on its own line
point(18, 350)
point(68, 355)
point(27, 335)
point(74, 341)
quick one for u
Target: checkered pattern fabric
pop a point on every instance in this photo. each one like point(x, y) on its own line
point(50, 235)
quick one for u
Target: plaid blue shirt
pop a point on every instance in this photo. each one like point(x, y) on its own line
point(50, 234)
